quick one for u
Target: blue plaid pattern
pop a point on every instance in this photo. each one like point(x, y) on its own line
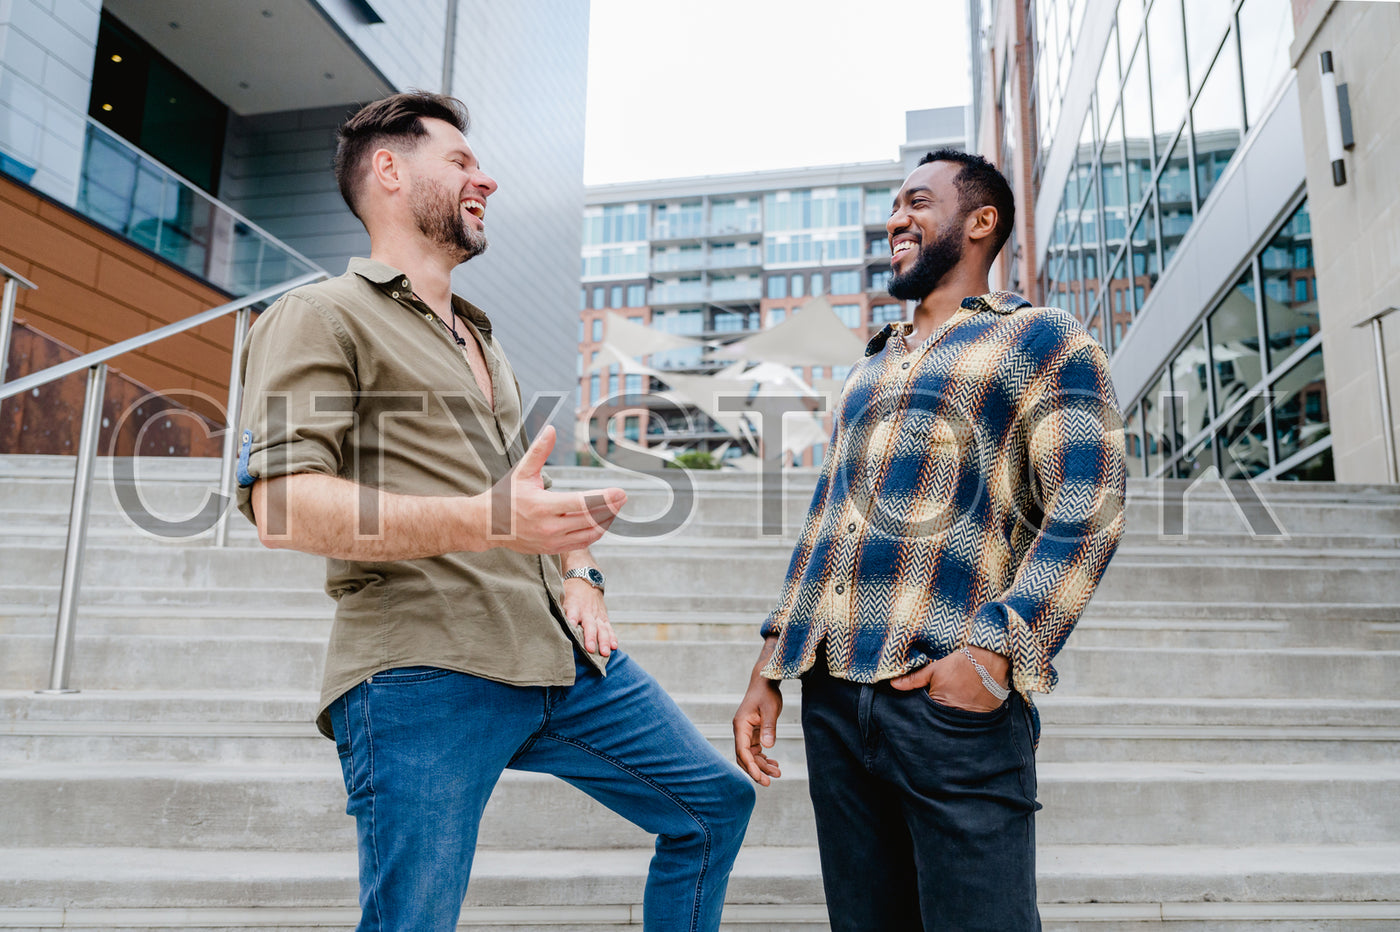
point(972, 494)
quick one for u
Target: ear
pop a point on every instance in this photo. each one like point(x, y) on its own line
point(982, 223)
point(385, 169)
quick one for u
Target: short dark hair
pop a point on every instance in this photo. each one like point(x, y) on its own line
point(398, 120)
point(979, 184)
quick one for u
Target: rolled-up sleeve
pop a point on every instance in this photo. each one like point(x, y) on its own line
point(300, 385)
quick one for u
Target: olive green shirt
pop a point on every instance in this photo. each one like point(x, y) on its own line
point(357, 378)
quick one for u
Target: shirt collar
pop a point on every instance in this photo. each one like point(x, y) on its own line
point(995, 302)
point(386, 276)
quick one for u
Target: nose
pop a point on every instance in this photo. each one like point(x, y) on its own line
point(897, 221)
point(484, 182)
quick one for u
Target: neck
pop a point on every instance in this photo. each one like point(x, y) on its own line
point(425, 264)
point(945, 300)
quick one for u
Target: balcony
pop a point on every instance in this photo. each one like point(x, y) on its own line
point(686, 261)
point(126, 191)
point(746, 258)
point(700, 293)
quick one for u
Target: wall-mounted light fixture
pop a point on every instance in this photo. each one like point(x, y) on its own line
point(1336, 117)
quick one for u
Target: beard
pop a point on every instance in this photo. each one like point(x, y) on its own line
point(439, 217)
point(935, 259)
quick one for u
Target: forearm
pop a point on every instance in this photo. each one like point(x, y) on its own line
point(576, 559)
point(333, 517)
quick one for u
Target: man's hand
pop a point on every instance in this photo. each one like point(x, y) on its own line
point(583, 607)
point(756, 723)
point(526, 518)
point(953, 681)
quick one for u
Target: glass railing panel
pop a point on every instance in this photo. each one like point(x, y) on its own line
point(126, 191)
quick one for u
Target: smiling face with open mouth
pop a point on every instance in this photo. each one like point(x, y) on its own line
point(926, 232)
point(449, 192)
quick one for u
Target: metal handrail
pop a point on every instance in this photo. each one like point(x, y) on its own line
point(88, 360)
point(13, 283)
point(96, 365)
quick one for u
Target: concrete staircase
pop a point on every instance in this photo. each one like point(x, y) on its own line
point(1223, 751)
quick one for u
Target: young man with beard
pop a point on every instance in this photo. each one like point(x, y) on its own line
point(970, 501)
point(383, 430)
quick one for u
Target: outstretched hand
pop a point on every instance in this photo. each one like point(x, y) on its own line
point(527, 518)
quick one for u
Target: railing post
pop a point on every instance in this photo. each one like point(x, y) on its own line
point(231, 441)
point(13, 283)
point(1383, 380)
point(77, 532)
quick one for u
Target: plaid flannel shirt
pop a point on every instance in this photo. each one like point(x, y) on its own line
point(972, 494)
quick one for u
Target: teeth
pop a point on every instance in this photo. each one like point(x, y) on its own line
point(474, 207)
point(904, 246)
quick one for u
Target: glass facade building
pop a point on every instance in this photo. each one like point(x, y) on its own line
point(1128, 136)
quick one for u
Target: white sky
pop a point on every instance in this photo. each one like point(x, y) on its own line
point(684, 87)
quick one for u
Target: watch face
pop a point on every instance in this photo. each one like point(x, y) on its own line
point(595, 577)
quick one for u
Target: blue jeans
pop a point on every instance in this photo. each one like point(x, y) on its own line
point(925, 813)
point(421, 749)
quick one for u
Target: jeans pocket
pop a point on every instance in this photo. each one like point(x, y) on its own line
point(965, 717)
point(404, 676)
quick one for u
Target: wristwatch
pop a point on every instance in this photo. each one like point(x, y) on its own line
point(591, 574)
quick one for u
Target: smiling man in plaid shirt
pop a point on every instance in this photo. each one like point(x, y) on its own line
point(970, 501)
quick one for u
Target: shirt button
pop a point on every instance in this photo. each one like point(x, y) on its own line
point(840, 588)
point(905, 366)
point(851, 526)
point(396, 294)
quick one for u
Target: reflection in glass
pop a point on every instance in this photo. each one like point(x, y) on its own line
point(1290, 287)
point(1315, 469)
point(1234, 344)
point(1158, 423)
point(1129, 22)
point(1132, 441)
point(1167, 44)
point(1174, 199)
point(1300, 409)
point(1119, 303)
point(1190, 379)
point(1143, 249)
point(1206, 21)
point(1266, 31)
point(1245, 440)
point(1109, 75)
point(1137, 125)
point(1217, 118)
point(1199, 458)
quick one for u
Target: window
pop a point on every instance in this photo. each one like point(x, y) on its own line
point(846, 282)
point(1266, 31)
point(633, 385)
point(880, 280)
point(1218, 119)
point(1300, 415)
point(632, 427)
point(1167, 45)
point(598, 302)
point(582, 300)
point(886, 313)
point(1287, 266)
point(817, 283)
point(799, 285)
point(593, 389)
point(1191, 381)
point(1137, 124)
point(777, 286)
point(1206, 22)
point(615, 296)
point(636, 295)
point(776, 315)
point(849, 314)
point(841, 372)
point(615, 223)
point(597, 330)
point(1235, 346)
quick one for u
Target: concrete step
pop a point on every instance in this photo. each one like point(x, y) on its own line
point(232, 727)
point(301, 807)
point(770, 888)
point(720, 668)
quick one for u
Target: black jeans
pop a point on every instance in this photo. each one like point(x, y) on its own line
point(925, 813)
